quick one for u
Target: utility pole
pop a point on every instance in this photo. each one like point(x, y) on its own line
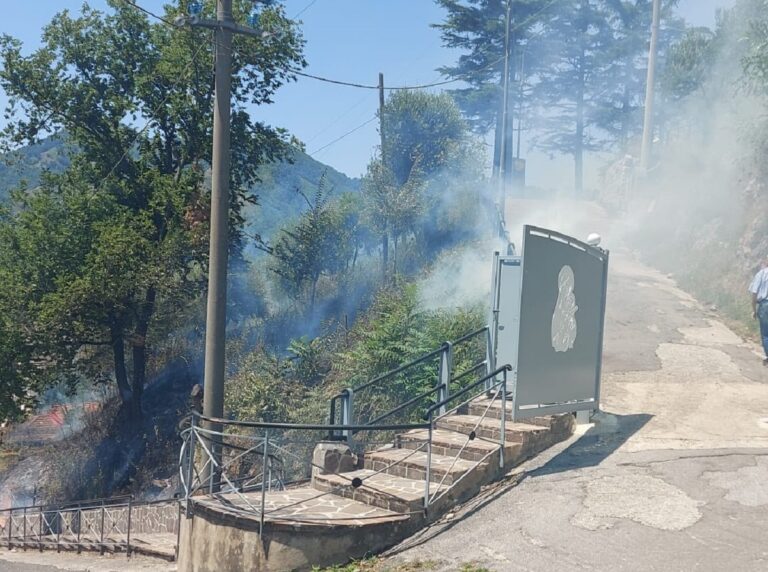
point(505, 116)
point(216, 315)
point(385, 238)
point(645, 150)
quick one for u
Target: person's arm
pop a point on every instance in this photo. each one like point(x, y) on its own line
point(754, 305)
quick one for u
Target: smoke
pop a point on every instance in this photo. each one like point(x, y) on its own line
point(699, 212)
point(460, 277)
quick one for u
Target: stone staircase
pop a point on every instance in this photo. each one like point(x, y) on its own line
point(365, 503)
point(464, 456)
point(379, 499)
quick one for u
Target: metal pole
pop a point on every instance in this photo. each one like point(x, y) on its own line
point(429, 466)
point(128, 533)
point(79, 527)
point(263, 487)
point(503, 424)
point(215, 333)
point(190, 467)
point(178, 533)
point(504, 115)
point(347, 414)
point(40, 542)
point(10, 527)
point(24, 530)
point(101, 531)
point(645, 150)
point(445, 373)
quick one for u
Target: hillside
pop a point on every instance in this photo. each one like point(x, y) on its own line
point(277, 193)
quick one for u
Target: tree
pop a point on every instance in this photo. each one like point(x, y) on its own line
point(392, 209)
point(318, 243)
point(478, 27)
point(425, 137)
point(423, 133)
point(128, 213)
point(576, 38)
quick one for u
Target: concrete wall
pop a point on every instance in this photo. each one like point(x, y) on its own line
point(213, 542)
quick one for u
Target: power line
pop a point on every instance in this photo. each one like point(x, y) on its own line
point(149, 13)
point(307, 7)
point(350, 132)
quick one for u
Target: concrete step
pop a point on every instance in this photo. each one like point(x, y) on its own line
point(390, 492)
point(412, 464)
point(491, 408)
point(485, 428)
point(451, 443)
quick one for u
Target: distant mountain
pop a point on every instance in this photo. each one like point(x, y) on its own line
point(278, 196)
point(279, 201)
point(28, 163)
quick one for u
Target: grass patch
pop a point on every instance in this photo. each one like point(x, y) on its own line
point(379, 565)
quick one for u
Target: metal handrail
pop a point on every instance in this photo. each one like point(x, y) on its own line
point(416, 361)
point(400, 369)
point(464, 391)
point(310, 426)
point(472, 369)
point(444, 380)
point(406, 404)
point(470, 335)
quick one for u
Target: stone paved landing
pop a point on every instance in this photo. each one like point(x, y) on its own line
point(309, 505)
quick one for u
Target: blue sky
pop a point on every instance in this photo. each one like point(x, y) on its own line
point(352, 40)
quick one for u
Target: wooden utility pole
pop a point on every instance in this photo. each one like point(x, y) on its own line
point(385, 238)
point(645, 150)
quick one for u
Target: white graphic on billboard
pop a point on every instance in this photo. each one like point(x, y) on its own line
point(564, 316)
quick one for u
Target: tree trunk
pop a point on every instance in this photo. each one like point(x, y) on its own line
point(313, 295)
point(121, 374)
point(497, 141)
point(578, 149)
point(139, 344)
point(384, 255)
point(394, 255)
point(625, 110)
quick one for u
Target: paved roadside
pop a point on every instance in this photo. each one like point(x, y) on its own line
point(50, 561)
point(674, 476)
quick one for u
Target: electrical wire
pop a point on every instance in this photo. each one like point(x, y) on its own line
point(307, 7)
point(150, 13)
point(350, 132)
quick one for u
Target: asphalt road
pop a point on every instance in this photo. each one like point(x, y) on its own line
point(672, 476)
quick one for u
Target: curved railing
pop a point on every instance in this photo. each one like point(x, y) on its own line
point(239, 463)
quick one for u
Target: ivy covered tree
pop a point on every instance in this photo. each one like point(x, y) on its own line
point(106, 252)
